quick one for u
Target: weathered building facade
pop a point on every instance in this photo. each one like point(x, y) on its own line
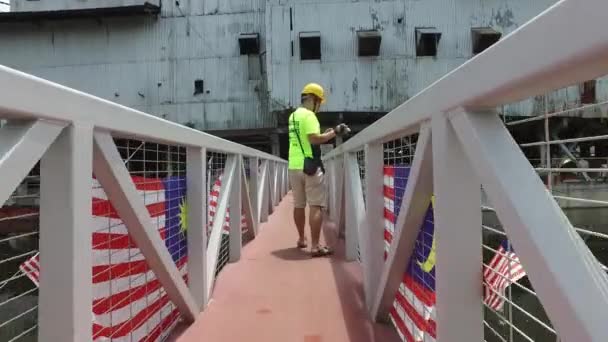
point(235, 67)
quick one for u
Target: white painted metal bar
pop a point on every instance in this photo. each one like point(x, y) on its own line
point(558, 113)
point(373, 232)
point(275, 185)
point(355, 209)
point(567, 278)
point(196, 197)
point(114, 177)
point(331, 185)
point(254, 191)
point(285, 179)
point(246, 197)
point(22, 144)
point(415, 203)
point(457, 216)
point(215, 238)
point(65, 305)
point(263, 193)
point(340, 196)
point(235, 209)
point(566, 141)
point(60, 103)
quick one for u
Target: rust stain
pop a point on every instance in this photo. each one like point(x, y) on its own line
point(313, 338)
point(263, 311)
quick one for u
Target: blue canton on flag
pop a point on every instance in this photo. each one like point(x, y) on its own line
point(175, 229)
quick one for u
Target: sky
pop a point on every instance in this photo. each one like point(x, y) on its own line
point(4, 5)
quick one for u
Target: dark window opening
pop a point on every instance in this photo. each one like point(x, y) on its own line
point(368, 43)
point(483, 38)
point(310, 46)
point(427, 40)
point(249, 43)
point(588, 92)
point(199, 87)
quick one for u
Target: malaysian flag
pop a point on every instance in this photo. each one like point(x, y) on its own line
point(413, 313)
point(503, 270)
point(129, 303)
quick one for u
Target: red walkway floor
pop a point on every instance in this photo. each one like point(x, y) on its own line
point(278, 293)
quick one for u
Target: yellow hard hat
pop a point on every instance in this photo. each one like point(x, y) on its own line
point(314, 89)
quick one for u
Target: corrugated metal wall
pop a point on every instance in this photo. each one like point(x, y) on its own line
point(151, 63)
point(378, 84)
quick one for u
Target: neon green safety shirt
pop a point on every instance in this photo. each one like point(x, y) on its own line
point(306, 123)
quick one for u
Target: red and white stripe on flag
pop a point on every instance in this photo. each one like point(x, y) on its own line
point(129, 304)
point(214, 196)
point(413, 313)
point(503, 270)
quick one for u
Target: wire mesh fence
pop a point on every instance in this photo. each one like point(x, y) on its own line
point(129, 303)
point(216, 163)
point(413, 311)
point(19, 234)
point(565, 138)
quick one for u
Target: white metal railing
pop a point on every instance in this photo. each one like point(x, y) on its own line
point(166, 209)
point(447, 143)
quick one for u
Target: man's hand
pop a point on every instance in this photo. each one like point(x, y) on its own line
point(342, 129)
point(329, 130)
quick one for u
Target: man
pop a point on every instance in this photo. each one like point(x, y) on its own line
point(307, 183)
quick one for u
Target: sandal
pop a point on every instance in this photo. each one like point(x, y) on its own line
point(302, 244)
point(321, 251)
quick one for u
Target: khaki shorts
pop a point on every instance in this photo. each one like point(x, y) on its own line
point(308, 189)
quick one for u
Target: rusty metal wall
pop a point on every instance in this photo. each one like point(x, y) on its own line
point(151, 63)
point(378, 84)
point(29, 5)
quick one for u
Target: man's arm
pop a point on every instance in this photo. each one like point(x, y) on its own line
point(321, 138)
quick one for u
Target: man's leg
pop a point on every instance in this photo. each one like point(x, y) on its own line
point(299, 216)
point(296, 179)
point(316, 195)
point(316, 222)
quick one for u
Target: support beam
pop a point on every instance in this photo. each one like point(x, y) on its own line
point(215, 239)
point(274, 184)
point(22, 144)
point(566, 276)
point(65, 305)
point(263, 192)
point(235, 210)
point(373, 234)
point(114, 177)
point(246, 202)
point(196, 170)
point(457, 214)
point(415, 203)
point(355, 208)
point(253, 189)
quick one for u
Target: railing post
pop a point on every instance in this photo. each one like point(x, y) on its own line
point(196, 180)
point(263, 192)
point(355, 210)
point(331, 188)
point(286, 179)
point(279, 182)
point(275, 184)
point(254, 188)
point(374, 232)
point(236, 234)
point(457, 214)
point(65, 301)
